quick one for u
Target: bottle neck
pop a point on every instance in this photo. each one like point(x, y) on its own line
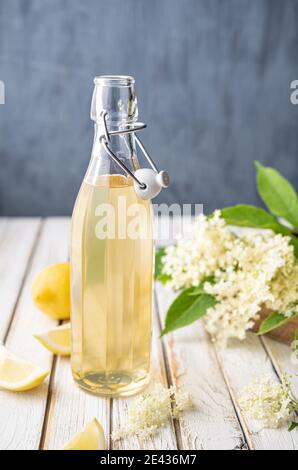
point(123, 146)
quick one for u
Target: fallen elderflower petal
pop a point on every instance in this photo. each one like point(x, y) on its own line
point(270, 402)
point(152, 410)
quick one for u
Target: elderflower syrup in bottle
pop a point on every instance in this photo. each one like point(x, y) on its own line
point(112, 250)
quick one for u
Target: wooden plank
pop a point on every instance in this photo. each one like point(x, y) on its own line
point(193, 365)
point(187, 351)
point(166, 439)
point(17, 238)
point(3, 223)
point(22, 414)
point(241, 363)
point(71, 408)
point(213, 423)
point(284, 360)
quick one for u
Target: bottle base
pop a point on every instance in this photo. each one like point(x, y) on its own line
point(112, 384)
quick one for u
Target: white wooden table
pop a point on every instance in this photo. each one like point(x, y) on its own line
point(46, 418)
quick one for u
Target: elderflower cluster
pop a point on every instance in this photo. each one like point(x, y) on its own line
point(206, 252)
point(284, 288)
point(248, 270)
point(269, 402)
point(151, 411)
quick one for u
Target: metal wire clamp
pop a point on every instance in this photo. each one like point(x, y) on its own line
point(105, 139)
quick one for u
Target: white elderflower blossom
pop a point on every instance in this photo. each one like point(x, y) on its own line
point(191, 260)
point(284, 288)
point(248, 270)
point(270, 402)
point(151, 411)
point(182, 401)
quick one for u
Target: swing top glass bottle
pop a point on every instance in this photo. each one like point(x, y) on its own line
point(111, 256)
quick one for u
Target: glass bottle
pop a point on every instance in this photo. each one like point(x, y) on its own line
point(111, 256)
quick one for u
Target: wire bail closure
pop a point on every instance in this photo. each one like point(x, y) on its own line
point(105, 139)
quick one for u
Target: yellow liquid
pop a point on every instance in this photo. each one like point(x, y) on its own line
point(111, 291)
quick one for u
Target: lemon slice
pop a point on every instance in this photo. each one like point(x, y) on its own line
point(56, 340)
point(90, 438)
point(18, 375)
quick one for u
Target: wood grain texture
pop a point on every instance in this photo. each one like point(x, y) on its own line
point(242, 362)
point(213, 423)
point(71, 408)
point(50, 415)
point(239, 364)
point(22, 414)
point(284, 360)
point(166, 439)
point(17, 238)
point(193, 365)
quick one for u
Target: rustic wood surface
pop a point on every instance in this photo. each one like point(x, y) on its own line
point(47, 417)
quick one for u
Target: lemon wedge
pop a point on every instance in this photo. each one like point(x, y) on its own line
point(51, 291)
point(90, 438)
point(56, 340)
point(16, 374)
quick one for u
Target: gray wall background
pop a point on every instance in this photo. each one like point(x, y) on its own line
point(213, 81)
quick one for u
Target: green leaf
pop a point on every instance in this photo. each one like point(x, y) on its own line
point(292, 426)
point(294, 242)
point(244, 215)
point(278, 194)
point(198, 290)
point(296, 340)
point(158, 261)
point(163, 278)
point(158, 274)
point(187, 308)
point(274, 321)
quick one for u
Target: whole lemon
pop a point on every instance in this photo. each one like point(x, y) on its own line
point(51, 291)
